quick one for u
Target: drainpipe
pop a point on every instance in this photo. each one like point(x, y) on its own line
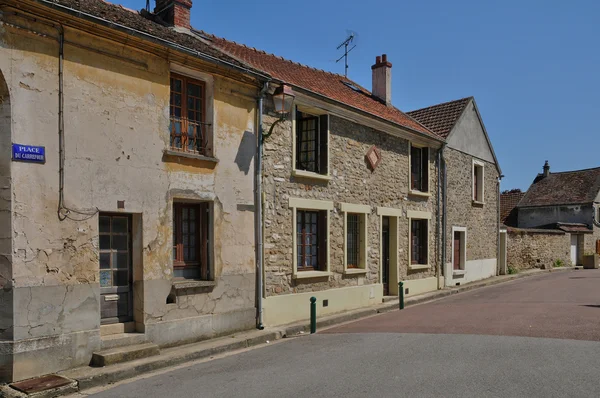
point(258, 204)
point(444, 187)
point(438, 222)
point(500, 270)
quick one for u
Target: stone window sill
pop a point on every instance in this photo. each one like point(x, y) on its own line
point(419, 193)
point(414, 267)
point(186, 287)
point(179, 284)
point(188, 155)
point(311, 175)
point(311, 274)
point(459, 272)
point(355, 271)
point(478, 203)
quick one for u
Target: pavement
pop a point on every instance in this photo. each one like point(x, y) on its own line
point(433, 349)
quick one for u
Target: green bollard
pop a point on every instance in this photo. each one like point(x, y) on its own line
point(313, 315)
point(401, 294)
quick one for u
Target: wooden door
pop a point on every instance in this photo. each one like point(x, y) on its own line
point(385, 254)
point(457, 250)
point(115, 268)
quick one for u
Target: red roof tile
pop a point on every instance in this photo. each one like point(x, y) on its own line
point(327, 84)
point(508, 207)
point(441, 118)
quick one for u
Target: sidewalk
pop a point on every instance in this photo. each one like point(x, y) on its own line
point(86, 378)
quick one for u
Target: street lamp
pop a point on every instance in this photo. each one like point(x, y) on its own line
point(283, 99)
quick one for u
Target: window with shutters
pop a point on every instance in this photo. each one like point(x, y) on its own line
point(478, 182)
point(191, 237)
point(189, 131)
point(311, 141)
point(419, 241)
point(355, 237)
point(311, 240)
point(419, 169)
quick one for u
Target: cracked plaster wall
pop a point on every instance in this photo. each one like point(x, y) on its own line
point(116, 128)
point(352, 182)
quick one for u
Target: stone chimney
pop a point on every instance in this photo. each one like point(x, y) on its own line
point(382, 79)
point(174, 12)
point(546, 169)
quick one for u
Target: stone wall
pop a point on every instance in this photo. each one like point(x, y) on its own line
point(352, 181)
point(527, 248)
point(481, 220)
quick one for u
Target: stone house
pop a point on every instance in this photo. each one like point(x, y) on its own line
point(126, 183)
point(566, 201)
point(350, 199)
point(471, 179)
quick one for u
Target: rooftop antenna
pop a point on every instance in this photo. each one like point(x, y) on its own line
point(148, 5)
point(347, 43)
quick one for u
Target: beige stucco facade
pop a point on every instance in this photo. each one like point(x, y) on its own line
point(116, 129)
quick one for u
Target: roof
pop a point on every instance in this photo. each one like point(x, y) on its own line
point(508, 207)
point(441, 118)
point(569, 187)
point(327, 84)
point(574, 227)
point(134, 20)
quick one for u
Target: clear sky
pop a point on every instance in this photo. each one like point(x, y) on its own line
point(533, 66)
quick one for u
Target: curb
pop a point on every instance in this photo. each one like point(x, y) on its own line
point(87, 377)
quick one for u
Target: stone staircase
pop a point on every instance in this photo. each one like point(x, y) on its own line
point(122, 347)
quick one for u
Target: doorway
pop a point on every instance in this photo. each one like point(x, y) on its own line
point(457, 251)
point(574, 249)
point(385, 254)
point(116, 298)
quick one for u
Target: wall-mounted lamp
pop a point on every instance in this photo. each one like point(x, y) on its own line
point(283, 99)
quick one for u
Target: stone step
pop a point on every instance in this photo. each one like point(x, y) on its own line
point(124, 354)
point(389, 298)
point(123, 340)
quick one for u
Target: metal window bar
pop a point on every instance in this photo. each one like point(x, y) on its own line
point(353, 240)
point(189, 135)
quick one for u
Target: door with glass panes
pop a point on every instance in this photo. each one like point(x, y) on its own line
point(115, 268)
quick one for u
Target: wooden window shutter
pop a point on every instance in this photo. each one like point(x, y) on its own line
point(424, 169)
point(323, 144)
point(298, 133)
point(322, 239)
point(598, 246)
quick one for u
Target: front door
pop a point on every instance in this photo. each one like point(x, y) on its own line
point(115, 268)
point(457, 246)
point(574, 249)
point(385, 254)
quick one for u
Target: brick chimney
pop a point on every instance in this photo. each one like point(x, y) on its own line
point(382, 79)
point(546, 169)
point(174, 12)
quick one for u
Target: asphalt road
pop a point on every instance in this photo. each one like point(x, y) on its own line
point(564, 304)
point(393, 355)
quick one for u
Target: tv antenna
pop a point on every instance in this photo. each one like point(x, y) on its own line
point(347, 43)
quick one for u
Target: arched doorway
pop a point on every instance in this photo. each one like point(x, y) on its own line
point(6, 318)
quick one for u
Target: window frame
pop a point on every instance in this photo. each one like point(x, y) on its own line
point(298, 204)
point(425, 166)
point(205, 127)
point(203, 234)
point(363, 212)
point(322, 116)
point(478, 182)
point(425, 218)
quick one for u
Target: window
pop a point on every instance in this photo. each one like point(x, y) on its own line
point(355, 233)
point(419, 169)
point(312, 142)
point(459, 249)
point(190, 240)
point(418, 241)
point(311, 240)
point(478, 181)
point(188, 114)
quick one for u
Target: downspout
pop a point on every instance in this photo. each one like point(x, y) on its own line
point(444, 187)
point(438, 222)
point(258, 203)
point(500, 270)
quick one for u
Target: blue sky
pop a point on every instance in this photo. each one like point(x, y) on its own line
point(533, 66)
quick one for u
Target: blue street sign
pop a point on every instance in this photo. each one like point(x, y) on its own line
point(28, 153)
